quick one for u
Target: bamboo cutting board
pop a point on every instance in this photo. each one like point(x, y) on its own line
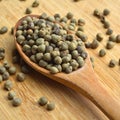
point(69, 104)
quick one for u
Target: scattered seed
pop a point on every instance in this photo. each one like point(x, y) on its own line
point(3, 30)
point(8, 85)
point(88, 45)
point(112, 63)
point(109, 31)
point(51, 106)
point(25, 69)
point(11, 95)
point(106, 24)
point(80, 28)
point(69, 15)
point(16, 101)
point(54, 70)
point(96, 13)
point(12, 70)
point(99, 37)
point(102, 53)
point(106, 12)
point(5, 75)
point(28, 10)
point(20, 76)
point(109, 45)
point(112, 38)
point(118, 38)
point(94, 44)
point(81, 22)
point(43, 101)
point(35, 3)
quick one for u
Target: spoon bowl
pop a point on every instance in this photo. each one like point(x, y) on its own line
point(83, 80)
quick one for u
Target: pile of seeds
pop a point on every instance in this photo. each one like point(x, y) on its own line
point(49, 45)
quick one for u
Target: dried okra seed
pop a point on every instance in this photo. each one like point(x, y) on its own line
point(16, 101)
point(106, 12)
point(12, 70)
point(102, 53)
point(112, 63)
point(96, 13)
point(54, 70)
point(5, 75)
point(81, 22)
point(118, 38)
point(20, 76)
point(69, 15)
point(43, 101)
point(80, 28)
point(2, 69)
point(109, 31)
point(28, 10)
point(94, 44)
point(106, 24)
point(99, 37)
point(11, 95)
point(109, 45)
point(35, 3)
point(3, 30)
point(88, 45)
point(8, 85)
point(112, 38)
point(50, 106)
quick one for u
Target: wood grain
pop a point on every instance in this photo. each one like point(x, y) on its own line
point(69, 104)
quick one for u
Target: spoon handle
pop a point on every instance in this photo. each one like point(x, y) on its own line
point(91, 87)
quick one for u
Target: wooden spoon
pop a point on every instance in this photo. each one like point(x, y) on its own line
point(83, 80)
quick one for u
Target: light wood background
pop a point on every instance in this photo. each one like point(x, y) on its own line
point(69, 104)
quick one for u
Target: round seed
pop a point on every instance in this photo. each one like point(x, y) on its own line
point(51, 106)
point(63, 46)
point(20, 39)
point(109, 31)
point(106, 24)
point(84, 55)
point(39, 56)
point(109, 45)
point(43, 101)
point(3, 30)
point(43, 63)
point(19, 32)
point(118, 38)
point(99, 37)
point(80, 28)
point(20, 76)
point(2, 69)
point(96, 13)
point(54, 70)
point(81, 22)
point(35, 3)
point(94, 44)
point(33, 58)
point(12, 70)
point(72, 46)
point(47, 57)
point(88, 45)
point(28, 10)
point(102, 53)
point(74, 64)
point(69, 15)
point(65, 65)
point(81, 35)
point(55, 53)
point(106, 12)
point(112, 63)
point(25, 69)
point(11, 95)
point(16, 101)
point(5, 75)
point(57, 60)
point(112, 38)
point(8, 85)
point(69, 69)
point(75, 54)
point(80, 61)
point(59, 67)
point(41, 48)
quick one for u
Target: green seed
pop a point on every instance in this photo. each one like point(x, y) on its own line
point(64, 19)
point(33, 58)
point(112, 38)
point(118, 38)
point(49, 49)
point(80, 28)
point(112, 63)
point(88, 45)
point(55, 53)
point(84, 55)
point(43, 101)
point(72, 46)
point(16, 101)
point(54, 70)
point(80, 61)
point(106, 24)
point(74, 64)
point(109, 31)
point(1, 79)
point(5, 75)
point(20, 77)
point(47, 57)
point(19, 32)
point(34, 49)
point(2, 55)
point(58, 60)
point(15, 59)
point(50, 106)
point(106, 12)
point(99, 37)
point(35, 3)
point(41, 48)
point(2, 69)
point(65, 65)
point(8, 85)
point(82, 36)
point(94, 44)
point(43, 63)
point(75, 54)
point(11, 95)
point(102, 53)
point(59, 67)
point(28, 10)
point(73, 20)
point(20, 39)
point(12, 70)
point(3, 30)
point(39, 56)
point(25, 69)
point(63, 46)
point(96, 13)
point(69, 69)
point(66, 59)
point(69, 15)
point(109, 45)
point(39, 41)
point(81, 22)
point(43, 16)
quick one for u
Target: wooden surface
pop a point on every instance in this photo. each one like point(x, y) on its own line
point(69, 104)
